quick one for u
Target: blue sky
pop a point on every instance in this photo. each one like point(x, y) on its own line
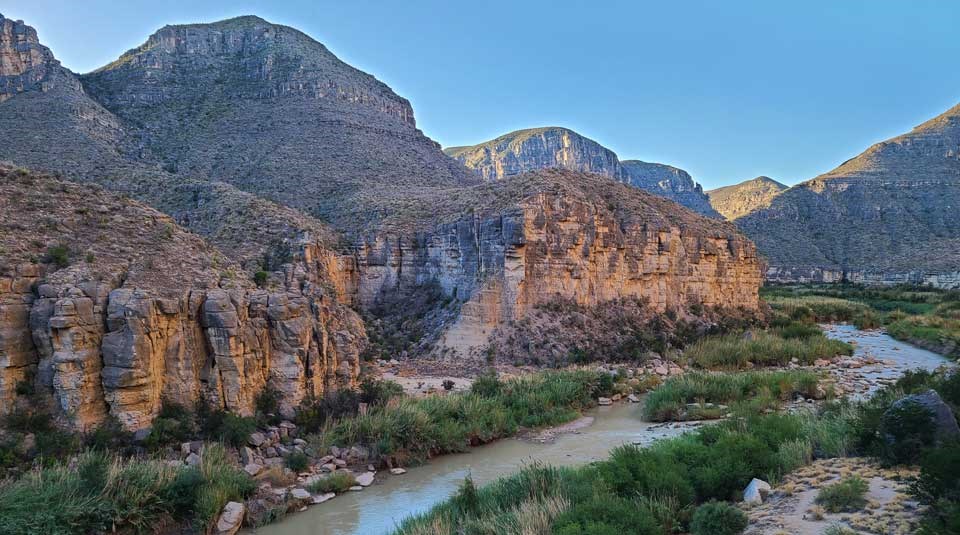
point(725, 90)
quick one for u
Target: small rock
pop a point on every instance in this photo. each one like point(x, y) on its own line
point(231, 518)
point(193, 459)
point(256, 439)
point(246, 455)
point(397, 471)
point(365, 479)
point(632, 398)
point(660, 370)
point(320, 498)
point(329, 467)
point(356, 487)
point(252, 469)
point(605, 401)
point(300, 494)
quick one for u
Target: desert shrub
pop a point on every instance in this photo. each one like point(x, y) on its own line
point(487, 385)
point(267, 401)
point(338, 482)
point(260, 278)
point(448, 384)
point(58, 255)
point(314, 413)
point(718, 518)
point(378, 392)
point(605, 515)
point(838, 529)
point(906, 429)
point(844, 497)
point(297, 461)
point(939, 488)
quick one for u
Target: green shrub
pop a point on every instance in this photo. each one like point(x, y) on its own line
point(487, 385)
point(338, 482)
point(847, 496)
point(605, 515)
point(298, 462)
point(938, 487)
point(378, 392)
point(907, 429)
point(267, 401)
point(58, 255)
point(235, 429)
point(838, 529)
point(260, 278)
point(718, 518)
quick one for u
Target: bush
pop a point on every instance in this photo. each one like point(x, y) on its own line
point(235, 429)
point(847, 496)
point(765, 349)
point(268, 401)
point(605, 515)
point(316, 412)
point(907, 429)
point(260, 278)
point(448, 385)
point(338, 482)
point(298, 462)
point(377, 392)
point(487, 385)
point(939, 488)
point(718, 518)
point(58, 255)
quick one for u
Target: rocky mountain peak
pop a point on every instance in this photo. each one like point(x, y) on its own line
point(24, 63)
point(738, 200)
point(243, 57)
point(561, 148)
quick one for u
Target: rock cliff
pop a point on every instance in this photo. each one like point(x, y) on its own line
point(562, 148)
point(557, 233)
point(112, 308)
point(889, 214)
point(738, 200)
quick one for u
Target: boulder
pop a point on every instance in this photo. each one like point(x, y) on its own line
point(320, 498)
point(193, 459)
point(397, 471)
point(944, 422)
point(246, 455)
point(230, 519)
point(632, 398)
point(257, 439)
point(605, 401)
point(252, 469)
point(756, 491)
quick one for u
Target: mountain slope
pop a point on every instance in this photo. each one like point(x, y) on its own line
point(556, 147)
point(738, 200)
point(889, 214)
point(268, 109)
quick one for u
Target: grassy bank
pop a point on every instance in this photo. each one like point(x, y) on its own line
point(762, 390)
point(679, 485)
point(795, 342)
point(102, 493)
point(923, 316)
point(416, 428)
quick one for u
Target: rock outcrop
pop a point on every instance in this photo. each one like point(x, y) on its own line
point(738, 200)
point(570, 235)
point(113, 309)
point(561, 148)
point(889, 214)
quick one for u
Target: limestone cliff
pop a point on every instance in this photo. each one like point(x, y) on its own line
point(889, 214)
point(562, 148)
point(738, 200)
point(571, 235)
point(112, 308)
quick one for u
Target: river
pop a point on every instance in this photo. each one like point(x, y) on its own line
point(379, 508)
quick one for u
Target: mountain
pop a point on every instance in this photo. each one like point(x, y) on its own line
point(556, 147)
point(738, 200)
point(887, 215)
point(307, 192)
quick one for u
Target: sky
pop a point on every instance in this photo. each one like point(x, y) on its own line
point(726, 90)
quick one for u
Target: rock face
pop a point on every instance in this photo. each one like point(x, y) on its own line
point(573, 235)
point(887, 215)
point(554, 147)
point(112, 309)
point(738, 200)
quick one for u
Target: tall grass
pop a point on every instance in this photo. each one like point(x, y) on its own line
point(421, 427)
point(668, 402)
point(100, 493)
point(764, 349)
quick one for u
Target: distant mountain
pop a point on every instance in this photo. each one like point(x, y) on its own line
point(562, 148)
point(890, 214)
point(740, 199)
